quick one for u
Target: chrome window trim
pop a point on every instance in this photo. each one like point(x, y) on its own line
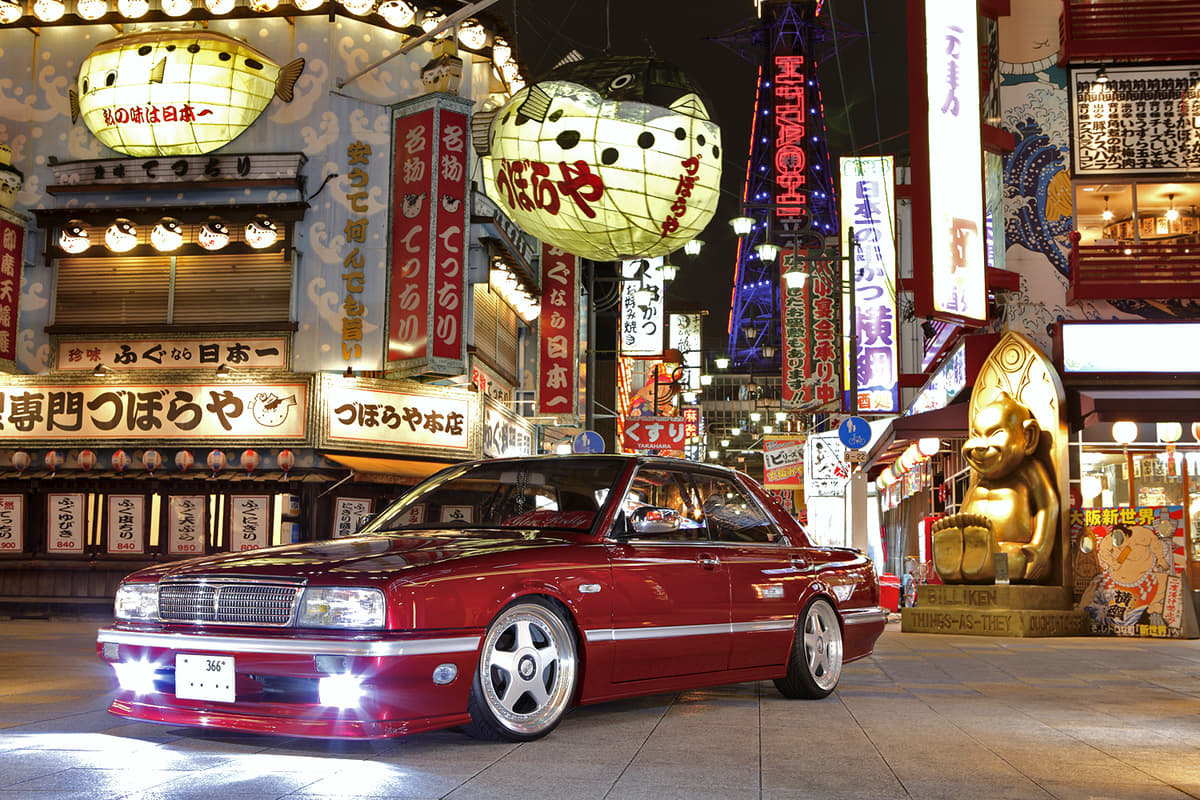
point(304, 647)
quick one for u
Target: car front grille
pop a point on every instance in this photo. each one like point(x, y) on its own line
point(228, 601)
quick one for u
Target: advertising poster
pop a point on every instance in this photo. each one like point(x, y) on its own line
point(187, 526)
point(783, 461)
point(1130, 570)
point(348, 515)
point(126, 524)
point(249, 522)
point(12, 523)
point(64, 523)
point(825, 467)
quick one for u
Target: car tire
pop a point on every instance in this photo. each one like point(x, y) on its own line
point(815, 662)
point(525, 679)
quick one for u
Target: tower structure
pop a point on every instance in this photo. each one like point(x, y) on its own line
point(789, 188)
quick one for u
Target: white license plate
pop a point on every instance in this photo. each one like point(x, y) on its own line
point(201, 677)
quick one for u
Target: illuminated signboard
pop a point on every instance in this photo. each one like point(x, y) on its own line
point(558, 343)
point(685, 337)
point(12, 255)
point(375, 416)
point(868, 189)
point(641, 308)
point(952, 285)
point(811, 347)
point(1130, 347)
point(791, 201)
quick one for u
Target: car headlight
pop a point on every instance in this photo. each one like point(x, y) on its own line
point(341, 608)
point(136, 601)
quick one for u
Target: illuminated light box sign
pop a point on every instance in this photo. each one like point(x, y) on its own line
point(583, 160)
point(1131, 347)
point(558, 333)
point(268, 352)
point(641, 308)
point(174, 92)
point(385, 418)
point(506, 435)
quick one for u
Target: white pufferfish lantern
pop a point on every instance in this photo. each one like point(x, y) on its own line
point(607, 158)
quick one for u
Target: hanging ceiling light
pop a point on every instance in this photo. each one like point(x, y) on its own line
point(398, 13)
point(472, 34)
point(1108, 215)
point(91, 9)
point(1172, 214)
point(1101, 76)
point(432, 18)
point(167, 235)
point(121, 236)
point(49, 10)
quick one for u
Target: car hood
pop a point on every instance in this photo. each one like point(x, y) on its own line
point(375, 556)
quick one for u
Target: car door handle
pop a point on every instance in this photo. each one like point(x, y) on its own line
point(799, 562)
point(708, 562)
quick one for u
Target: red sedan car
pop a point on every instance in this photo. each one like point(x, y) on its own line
point(494, 596)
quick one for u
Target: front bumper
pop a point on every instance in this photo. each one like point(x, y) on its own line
point(277, 679)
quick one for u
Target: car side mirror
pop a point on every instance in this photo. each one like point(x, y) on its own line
point(654, 519)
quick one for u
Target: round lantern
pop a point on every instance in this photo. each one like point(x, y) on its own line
point(86, 459)
point(151, 460)
point(213, 235)
point(121, 236)
point(261, 232)
point(120, 460)
point(175, 8)
point(10, 11)
point(54, 460)
point(1196, 431)
point(20, 461)
point(216, 461)
point(91, 9)
point(132, 9)
point(630, 154)
point(167, 235)
point(184, 460)
point(249, 460)
point(74, 238)
point(287, 460)
point(398, 13)
point(49, 10)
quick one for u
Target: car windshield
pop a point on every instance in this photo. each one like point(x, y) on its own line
point(560, 493)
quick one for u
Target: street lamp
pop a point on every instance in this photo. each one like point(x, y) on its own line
point(692, 247)
point(742, 225)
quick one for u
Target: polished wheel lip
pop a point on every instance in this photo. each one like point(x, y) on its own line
point(552, 693)
point(823, 646)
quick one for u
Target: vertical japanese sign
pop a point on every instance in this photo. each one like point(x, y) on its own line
point(558, 345)
point(684, 336)
point(358, 162)
point(348, 513)
point(64, 523)
point(186, 528)
point(811, 334)
point(429, 236)
point(12, 254)
point(957, 286)
point(868, 188)
point(641, 307)
point(126, 524)
point(12, 523)
point(790, 162)
point(249, 522)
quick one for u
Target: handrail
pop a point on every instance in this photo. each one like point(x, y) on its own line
point(1144, 271)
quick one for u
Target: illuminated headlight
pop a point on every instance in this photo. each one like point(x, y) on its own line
point(341, 608)
point(136, 601)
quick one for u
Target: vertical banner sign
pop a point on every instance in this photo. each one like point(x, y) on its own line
point(12, 254)
point(64, 523)
point(791, 110)
point(868, 188)
point(249, 522)
point(684, 336)
point(558, 346)
point(358, 161)
point(811, 335)
point(412, 239)
point(186, 526)
point(126, 523)
point(450, 238)
point(641, 307)
point(12, 523)
point(958, 261)
point(348, 515)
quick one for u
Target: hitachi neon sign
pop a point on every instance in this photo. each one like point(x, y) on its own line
point(791, 202)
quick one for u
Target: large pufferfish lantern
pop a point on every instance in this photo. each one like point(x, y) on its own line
point(606, 158)
point(176, 92)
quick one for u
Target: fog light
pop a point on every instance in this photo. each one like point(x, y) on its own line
point(136, 676)
point(445, 673)
point(340, 691)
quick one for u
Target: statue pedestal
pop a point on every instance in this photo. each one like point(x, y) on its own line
point(999, 610)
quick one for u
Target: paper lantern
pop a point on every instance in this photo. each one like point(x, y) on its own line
point(120, 461)
point(359, 7)
point(287, 460)
point(167, 235)
point(184, 460)
point(213, 235)
point(261, 232)
point(607, 158)
point(121, 236)
point(54, 460)
point(10, 11)
point(49, 10)
point(74, 238)
point(176, 92)
point(397, 13)
point(132, 9)
point(219, 6)
point(151, 460)
point(20, 461)
point(91, 9)
point(216, 461)
point(472, 34)
point(249, 460)
point(175, 8)
point(86, 459)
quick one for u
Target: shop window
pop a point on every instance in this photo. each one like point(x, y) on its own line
point(1137, 212)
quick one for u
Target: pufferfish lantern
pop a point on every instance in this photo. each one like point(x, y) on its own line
point(176, 92)
point(607, 158)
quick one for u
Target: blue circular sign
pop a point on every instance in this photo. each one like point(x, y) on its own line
point(854, 433)
point(588, 442)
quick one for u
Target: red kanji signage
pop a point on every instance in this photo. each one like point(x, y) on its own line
point(557, 328)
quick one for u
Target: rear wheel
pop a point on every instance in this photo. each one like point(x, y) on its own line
point(526, 674)
point(815, 663)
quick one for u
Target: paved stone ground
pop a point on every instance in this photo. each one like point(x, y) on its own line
point(927, 716)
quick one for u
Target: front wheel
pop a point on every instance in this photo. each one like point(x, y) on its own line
point(815, 663)
point(526, 674)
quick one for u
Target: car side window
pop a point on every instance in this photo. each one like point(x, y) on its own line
point(662, 505)
point(731, 514)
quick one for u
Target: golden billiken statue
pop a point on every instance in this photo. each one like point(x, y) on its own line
point(1011, 505)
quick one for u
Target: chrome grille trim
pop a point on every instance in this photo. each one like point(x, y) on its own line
point(204, 600)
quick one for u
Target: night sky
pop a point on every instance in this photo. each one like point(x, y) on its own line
point(685, 32)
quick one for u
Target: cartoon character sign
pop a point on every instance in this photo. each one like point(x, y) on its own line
point(607, 158)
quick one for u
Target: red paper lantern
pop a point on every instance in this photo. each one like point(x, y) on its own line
point(86, 459)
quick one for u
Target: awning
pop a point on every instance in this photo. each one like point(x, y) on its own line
point(950, 422)
point(1090, 406)
point(387, 470)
